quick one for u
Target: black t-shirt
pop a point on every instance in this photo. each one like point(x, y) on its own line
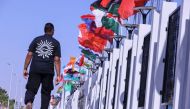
point(44, 49)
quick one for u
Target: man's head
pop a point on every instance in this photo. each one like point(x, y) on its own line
point(49, 29)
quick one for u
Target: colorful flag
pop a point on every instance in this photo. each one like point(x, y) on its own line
point(67, 77)
point(106, 3)
point(97, 5)
point(88, 54)
point(70, 71)
point(114, 9)
point(68, 86)
point(105, 33)
point(98, 16)
point(82, 71)
point(90, 40)
point(140, 2)
point(111, 23)
point(89, 21)
point(60, 89)
point(66, 68)
point(81, 61)
point(126, 8)
point(98, 12)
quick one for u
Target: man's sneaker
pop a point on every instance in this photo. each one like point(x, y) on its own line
point(29, 106)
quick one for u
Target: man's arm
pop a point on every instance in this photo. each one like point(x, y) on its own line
point(27, 60)
point(57, 62)
point(26, 64)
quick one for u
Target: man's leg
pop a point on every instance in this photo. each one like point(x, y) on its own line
point(47, 87)
point(32, 87)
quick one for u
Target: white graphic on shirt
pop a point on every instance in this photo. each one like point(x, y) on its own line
point(44, 49)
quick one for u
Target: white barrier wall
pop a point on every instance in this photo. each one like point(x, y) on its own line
point(111, 82)
point(108, 81)
point(167, 9)
point(122, 74)
point(133, 59)
point(103, 85)
point(143, 31)
point(181, 58)
point(97, 88)
point(75, 100)
point(117, 76)
point(151, 59)
point(187, 77)
point(89, 100)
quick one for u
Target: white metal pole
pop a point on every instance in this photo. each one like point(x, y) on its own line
point(21, 93)
point(10, 84)
point(16, 91)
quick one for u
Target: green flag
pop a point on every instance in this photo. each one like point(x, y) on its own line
point(68, 87)
point(89, 54)
point(111, 23)
point(114, 9)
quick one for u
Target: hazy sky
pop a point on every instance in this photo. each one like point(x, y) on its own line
point(22, 20)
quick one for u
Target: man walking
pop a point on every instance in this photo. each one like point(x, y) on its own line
point(43, 55)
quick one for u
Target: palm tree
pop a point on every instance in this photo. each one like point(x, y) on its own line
point(4, 99)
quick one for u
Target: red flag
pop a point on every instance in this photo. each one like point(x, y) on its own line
point(126, 8)
point(81, 62)
point(140, 3)
point(91, 40)
point(88, 16)
point(105, 3)
point(105, 33)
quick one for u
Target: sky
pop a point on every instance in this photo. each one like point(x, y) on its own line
point(23, 20)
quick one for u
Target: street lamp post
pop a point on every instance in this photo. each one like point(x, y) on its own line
point(10, 84)
point(17, 84)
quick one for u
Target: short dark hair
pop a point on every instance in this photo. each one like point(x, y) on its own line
point(48, 27)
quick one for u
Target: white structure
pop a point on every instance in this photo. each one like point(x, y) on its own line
point(149, 71)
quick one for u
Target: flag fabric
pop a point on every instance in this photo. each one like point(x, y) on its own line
point(76, 79)
point(126, 8)
point(111, 23)
point(87, 65)
point(97, 5)
point(60, 89)
point(66, 68)
point(81, 61)
point(88, 54)
point(68, 86)
point(106, 3)
point(140, 2)
point(70, 65)
point(67, 77)
point(70, 71)
point(114, 9)
point(83, 71)
point(105, 33)
point(89, 21)
point(98, 16)
point(90, 40)
point(98, 11)
point(72, 62)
